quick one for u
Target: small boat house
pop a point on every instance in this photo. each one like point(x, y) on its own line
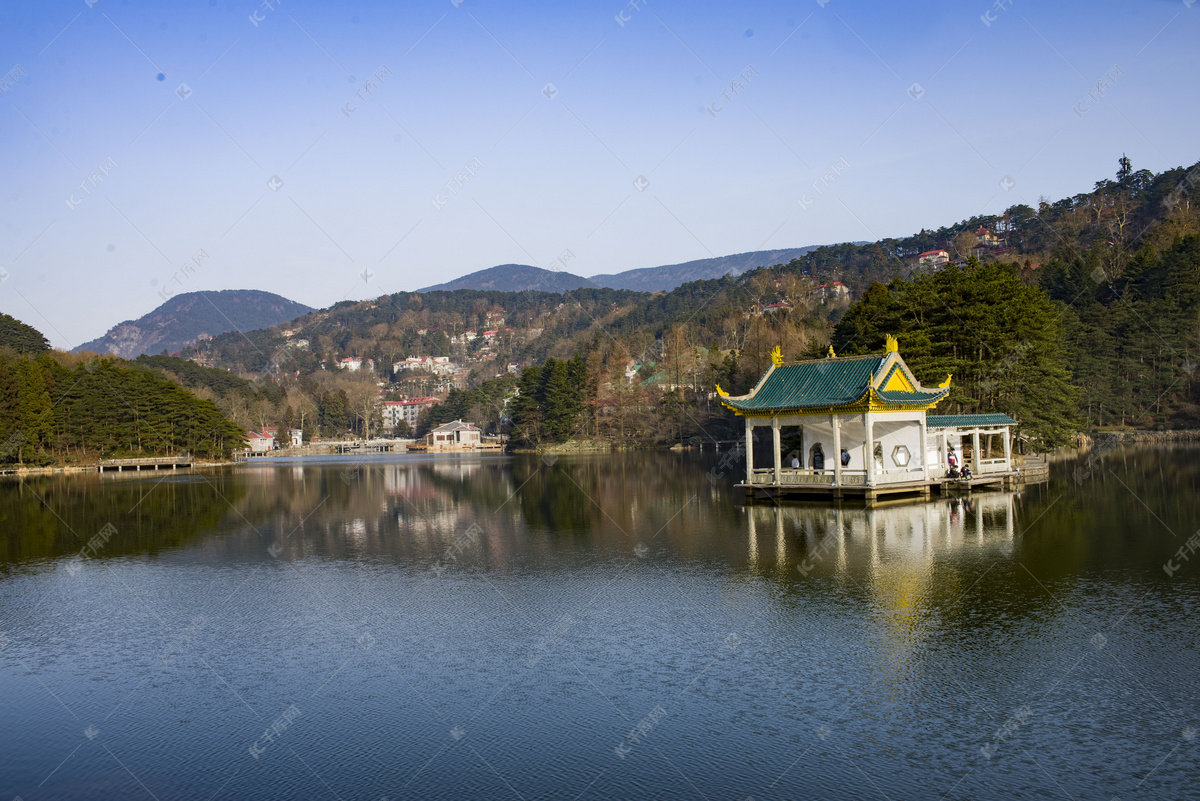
point(858, 427)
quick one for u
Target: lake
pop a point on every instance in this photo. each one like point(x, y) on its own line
point(595, 627)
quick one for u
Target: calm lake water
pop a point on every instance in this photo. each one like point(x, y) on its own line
point(600, 627)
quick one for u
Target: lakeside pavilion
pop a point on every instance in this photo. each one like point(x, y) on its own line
point(863, 430)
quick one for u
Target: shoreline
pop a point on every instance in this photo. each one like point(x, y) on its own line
point(1084, 442)
point(1136, 436)
point(63, 469)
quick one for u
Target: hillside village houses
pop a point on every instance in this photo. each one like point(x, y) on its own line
point(289, 437)
point(438, 365)
point(983, 242)
point(354, 364)
point(467, 337)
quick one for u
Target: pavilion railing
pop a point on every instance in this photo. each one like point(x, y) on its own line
point(899, 475)
point(896, 475)
point(793, 477)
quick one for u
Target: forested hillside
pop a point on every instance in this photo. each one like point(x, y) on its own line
point(59, 407)
point(1080, 312)
point(1132, 335)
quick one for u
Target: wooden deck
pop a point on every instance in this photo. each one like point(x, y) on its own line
point(806, 486)
point(148, 463)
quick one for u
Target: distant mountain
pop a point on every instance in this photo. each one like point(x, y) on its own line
point(515, 278)
point(669, 276)
point(523, 277)
point(184, 319)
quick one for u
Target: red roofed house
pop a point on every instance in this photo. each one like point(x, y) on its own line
point(985, 238)
point(933, 258)
point(260, 443)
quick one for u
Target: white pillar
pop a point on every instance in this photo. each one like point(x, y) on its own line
point(836, 421)
point(975, 451)
point(1007, 449)
point(870, 447)
point(775, 440)
point(924, 450)
point(749, 451)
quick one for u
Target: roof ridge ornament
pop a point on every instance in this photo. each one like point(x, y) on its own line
point(776, 356)
point(722, 392)
point(946, 383)
point(892, 345)
point(832, 355)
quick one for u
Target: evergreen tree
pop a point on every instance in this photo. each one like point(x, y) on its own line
point(1000, 339)
point(561, 402)
point(20, 337)
point(527, 420)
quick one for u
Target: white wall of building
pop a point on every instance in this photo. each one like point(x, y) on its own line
point(889, 432)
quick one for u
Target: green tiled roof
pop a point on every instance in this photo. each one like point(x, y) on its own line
point(823, 384)
point(828, 382)
point(967, 420)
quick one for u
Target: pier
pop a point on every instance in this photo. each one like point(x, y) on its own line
point(147, 463)
point(370, 446)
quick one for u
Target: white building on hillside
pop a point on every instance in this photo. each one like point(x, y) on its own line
point(409, 410)
point(438, 365)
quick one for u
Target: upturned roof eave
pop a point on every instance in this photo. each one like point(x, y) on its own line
point(870, 396)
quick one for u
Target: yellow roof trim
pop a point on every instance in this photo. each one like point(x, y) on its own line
point(869, 402)
point(898, 382)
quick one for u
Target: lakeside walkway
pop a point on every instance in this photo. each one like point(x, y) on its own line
point(146, 463)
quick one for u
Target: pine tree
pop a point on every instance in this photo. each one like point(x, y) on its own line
point(560, 400)
point(1000, 339)
point(526, 408)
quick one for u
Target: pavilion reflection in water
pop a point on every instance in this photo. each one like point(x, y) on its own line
point(823, 539)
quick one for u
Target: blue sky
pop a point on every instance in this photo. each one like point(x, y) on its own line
point(626, 135)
